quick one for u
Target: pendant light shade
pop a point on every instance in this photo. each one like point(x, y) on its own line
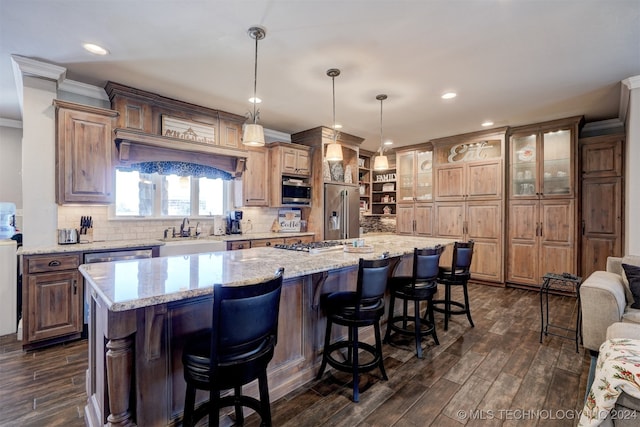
point(381, 162)
point(334, 150)
point(253, 133)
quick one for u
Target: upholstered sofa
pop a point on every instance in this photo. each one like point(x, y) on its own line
point(606, 313)
point(605, 300)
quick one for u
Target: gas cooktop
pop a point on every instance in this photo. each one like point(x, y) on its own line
point(313, 247)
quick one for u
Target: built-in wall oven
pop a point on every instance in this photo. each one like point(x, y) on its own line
point(119, 255)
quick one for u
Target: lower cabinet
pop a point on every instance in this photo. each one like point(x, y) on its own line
point(541, 240)
point(258, 243)
point(414, 219)
point(478, 221)
point(53, 306)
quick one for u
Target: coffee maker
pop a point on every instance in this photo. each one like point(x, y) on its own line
point(233, 222)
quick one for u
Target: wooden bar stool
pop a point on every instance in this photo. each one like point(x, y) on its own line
point(420, 286)
point(458, 275)
point(355, 310)
point(234, 352)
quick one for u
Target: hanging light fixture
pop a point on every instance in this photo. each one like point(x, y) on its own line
point(334, 150)
point(381, 162)
point(253, 133)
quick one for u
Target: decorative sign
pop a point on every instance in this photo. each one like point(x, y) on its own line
point(289, 220)
point(470, 152)
point(188, 130)
point(386, 177)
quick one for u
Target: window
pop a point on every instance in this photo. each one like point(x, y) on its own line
point(151, 195)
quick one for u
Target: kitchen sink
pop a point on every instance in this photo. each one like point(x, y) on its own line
point(187, 246)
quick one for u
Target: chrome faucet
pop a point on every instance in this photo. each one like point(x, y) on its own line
point(185, 223)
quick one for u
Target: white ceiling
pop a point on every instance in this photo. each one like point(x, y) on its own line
point(510, 61)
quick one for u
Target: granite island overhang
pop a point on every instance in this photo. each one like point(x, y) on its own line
point(142, 310)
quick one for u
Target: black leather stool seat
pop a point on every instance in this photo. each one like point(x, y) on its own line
point(420, 286)
point(234, 351)
point(361, 308)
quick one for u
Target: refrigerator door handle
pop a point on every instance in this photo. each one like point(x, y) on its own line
point(345, 216)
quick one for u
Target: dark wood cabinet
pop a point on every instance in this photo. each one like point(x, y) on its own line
point(601, 210)
point(84, 154)
point(52, 295)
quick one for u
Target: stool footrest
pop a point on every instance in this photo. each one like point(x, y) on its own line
point(346, 365)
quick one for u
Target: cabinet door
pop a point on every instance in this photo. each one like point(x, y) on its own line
point(557, 237)
point(601, 223)
point(524, 227)
point(404, 219)
point(602, 159)
point(303, 163)
point(484, 180)
point(423, 213)
point(55, 305)
point(557, 164)
point(483, 224)
point(230, 134)
point(450, 182)
point(84, 157)
point(252, 190)
point(450, 220)
point(405, 177)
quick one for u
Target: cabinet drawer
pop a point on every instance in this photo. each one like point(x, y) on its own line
point(266, 242)
point(40, 264)
point(298, 239)
point(238, 244)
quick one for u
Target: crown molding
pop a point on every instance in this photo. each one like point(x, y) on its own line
point(274, 135)
point(632, 82)
point(8, 123)
point(37, 68)
point(83, 89)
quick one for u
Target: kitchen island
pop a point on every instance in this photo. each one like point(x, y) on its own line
point(143, 310)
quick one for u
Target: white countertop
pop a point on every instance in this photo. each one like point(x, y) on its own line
point(127, 285)
point(128, 244)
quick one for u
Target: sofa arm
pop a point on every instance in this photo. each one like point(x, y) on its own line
point(614, 265)
point(603, 302)
point(624, 330)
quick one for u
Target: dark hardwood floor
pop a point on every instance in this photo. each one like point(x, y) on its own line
point(498, 369)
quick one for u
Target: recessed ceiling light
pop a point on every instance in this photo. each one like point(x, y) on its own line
point(487, 123)
point(95, 49)
point(388, 142)
point(337, 126)
point(449, 95)
point(255, 100)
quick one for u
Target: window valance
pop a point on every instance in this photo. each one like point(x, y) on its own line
point(180, 169)
point(174, 154)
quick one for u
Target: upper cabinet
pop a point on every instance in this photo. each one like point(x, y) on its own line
point(253, 188)
point(415, 175)
point(469, 167)
point(543, 161)
point(292, 159)
point(84, 154)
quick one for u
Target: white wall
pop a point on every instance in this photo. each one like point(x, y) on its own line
point(632, 178)
point(11, 165)
point(40, 214)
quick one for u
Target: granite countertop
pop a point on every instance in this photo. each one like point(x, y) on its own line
point(127, 285)
point(140, 243)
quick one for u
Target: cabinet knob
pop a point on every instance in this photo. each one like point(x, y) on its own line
point(268, 244)
point(54, 263)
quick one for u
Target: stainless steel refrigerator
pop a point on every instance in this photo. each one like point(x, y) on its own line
point(341, 212)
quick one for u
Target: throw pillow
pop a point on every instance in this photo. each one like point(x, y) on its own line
point(632, 274)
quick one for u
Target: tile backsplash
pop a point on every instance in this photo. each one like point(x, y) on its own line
point(255, 220)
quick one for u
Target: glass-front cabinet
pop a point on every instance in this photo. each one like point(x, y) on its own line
point(415, 176)
point(541, 164)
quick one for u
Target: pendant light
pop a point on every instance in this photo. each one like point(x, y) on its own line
point(334, 150)
point(381, 162)
point(253, 133)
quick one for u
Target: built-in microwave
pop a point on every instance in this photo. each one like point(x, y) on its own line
point(296, 191)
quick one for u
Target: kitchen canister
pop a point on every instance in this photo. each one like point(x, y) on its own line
point(7, 220)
